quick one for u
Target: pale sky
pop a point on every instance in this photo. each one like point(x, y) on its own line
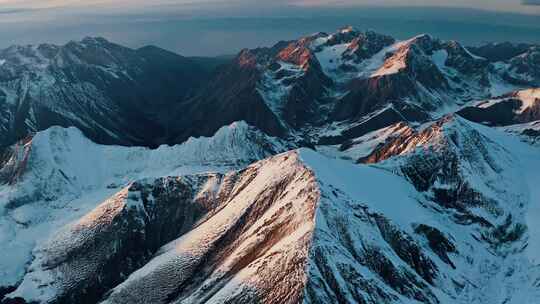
point(212, 27)
point(498, 5)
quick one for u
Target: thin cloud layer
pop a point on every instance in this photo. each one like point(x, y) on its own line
point(531, 2)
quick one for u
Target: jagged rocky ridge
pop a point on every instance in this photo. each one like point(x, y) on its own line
point(329, 88)
point(401, 203)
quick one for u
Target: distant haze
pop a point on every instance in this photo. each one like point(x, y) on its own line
point(208, 28)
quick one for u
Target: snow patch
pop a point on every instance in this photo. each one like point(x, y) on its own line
point(439, 58)
point(330, 57)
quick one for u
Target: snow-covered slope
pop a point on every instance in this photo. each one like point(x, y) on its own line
point(59, 175)
point(450, 231)
point(529, 132)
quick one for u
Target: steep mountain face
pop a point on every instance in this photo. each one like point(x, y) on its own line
point(283, 86)
point(112, 93)
point(225, 100)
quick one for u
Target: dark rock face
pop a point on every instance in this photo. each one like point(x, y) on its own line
point(500, 114)
point(230, 96)
point(334, 275)
point(532, 133)
point(4, 291)
point(233, 93)
point(432, 174)
point(385, 118)
point(462, 60)
point(301, 105)
point(367, 95)
point(407, 249)
point(438, 242)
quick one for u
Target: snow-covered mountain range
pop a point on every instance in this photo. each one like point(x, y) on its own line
point(336, 168)
point(114, 94)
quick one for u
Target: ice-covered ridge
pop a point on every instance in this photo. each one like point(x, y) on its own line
point(60, 174)
point(227, 147)
point(269, 214)
point(397, 61)
point(343, 173)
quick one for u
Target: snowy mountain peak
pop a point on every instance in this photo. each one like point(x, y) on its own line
point(440, 135)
